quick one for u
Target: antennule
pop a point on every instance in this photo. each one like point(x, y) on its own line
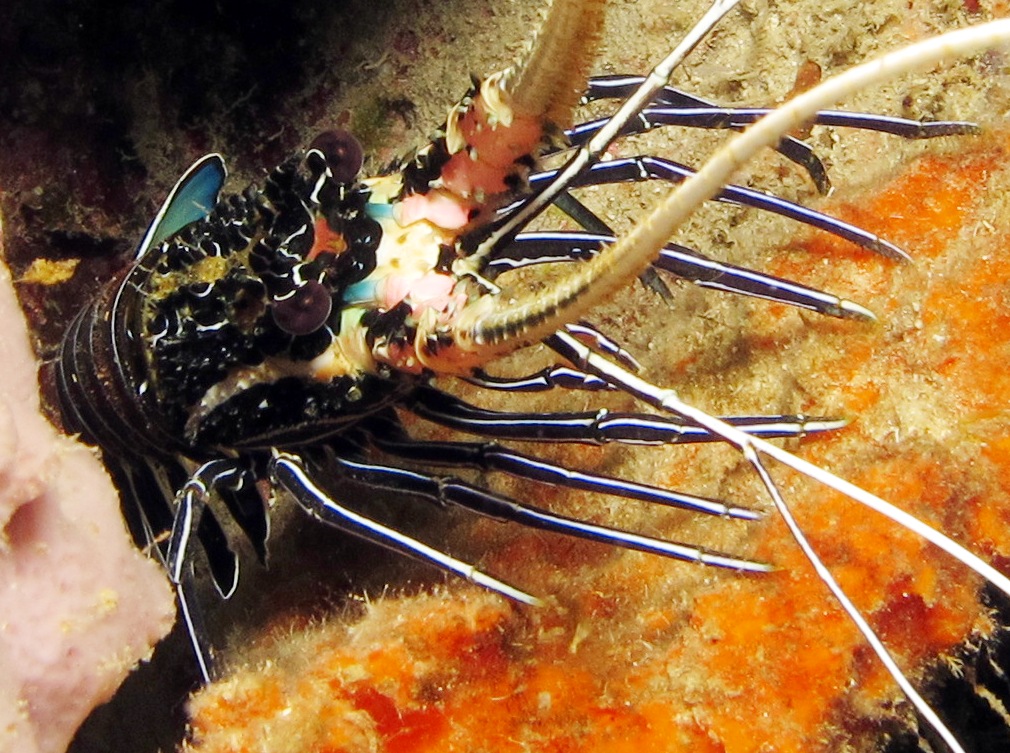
point(547, 80)
point(497, 131)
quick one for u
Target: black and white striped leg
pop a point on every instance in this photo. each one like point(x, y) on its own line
point(560, 376)
point(551, 377)
point(291, 473)
point(644, 167)
point(488, 456)
point(601, 343)
point(443, 490)
point(672, 107)
point(191, 514)
point(597, 427)
point(147, 489)
point(617, 86)
point(621, 87)
point(192, 617)
point(714, 116)
point(710, 273)
point(544, 247)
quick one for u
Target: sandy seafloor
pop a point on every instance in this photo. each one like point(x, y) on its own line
point(633, 652)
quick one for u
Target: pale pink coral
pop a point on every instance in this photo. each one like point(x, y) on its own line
point(79, 604)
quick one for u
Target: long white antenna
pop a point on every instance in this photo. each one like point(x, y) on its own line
point(667, 400)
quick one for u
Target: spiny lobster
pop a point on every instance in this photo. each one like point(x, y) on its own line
point(273, 334)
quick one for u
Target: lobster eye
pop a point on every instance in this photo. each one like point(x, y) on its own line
point(305, 310)
point(343, 154)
